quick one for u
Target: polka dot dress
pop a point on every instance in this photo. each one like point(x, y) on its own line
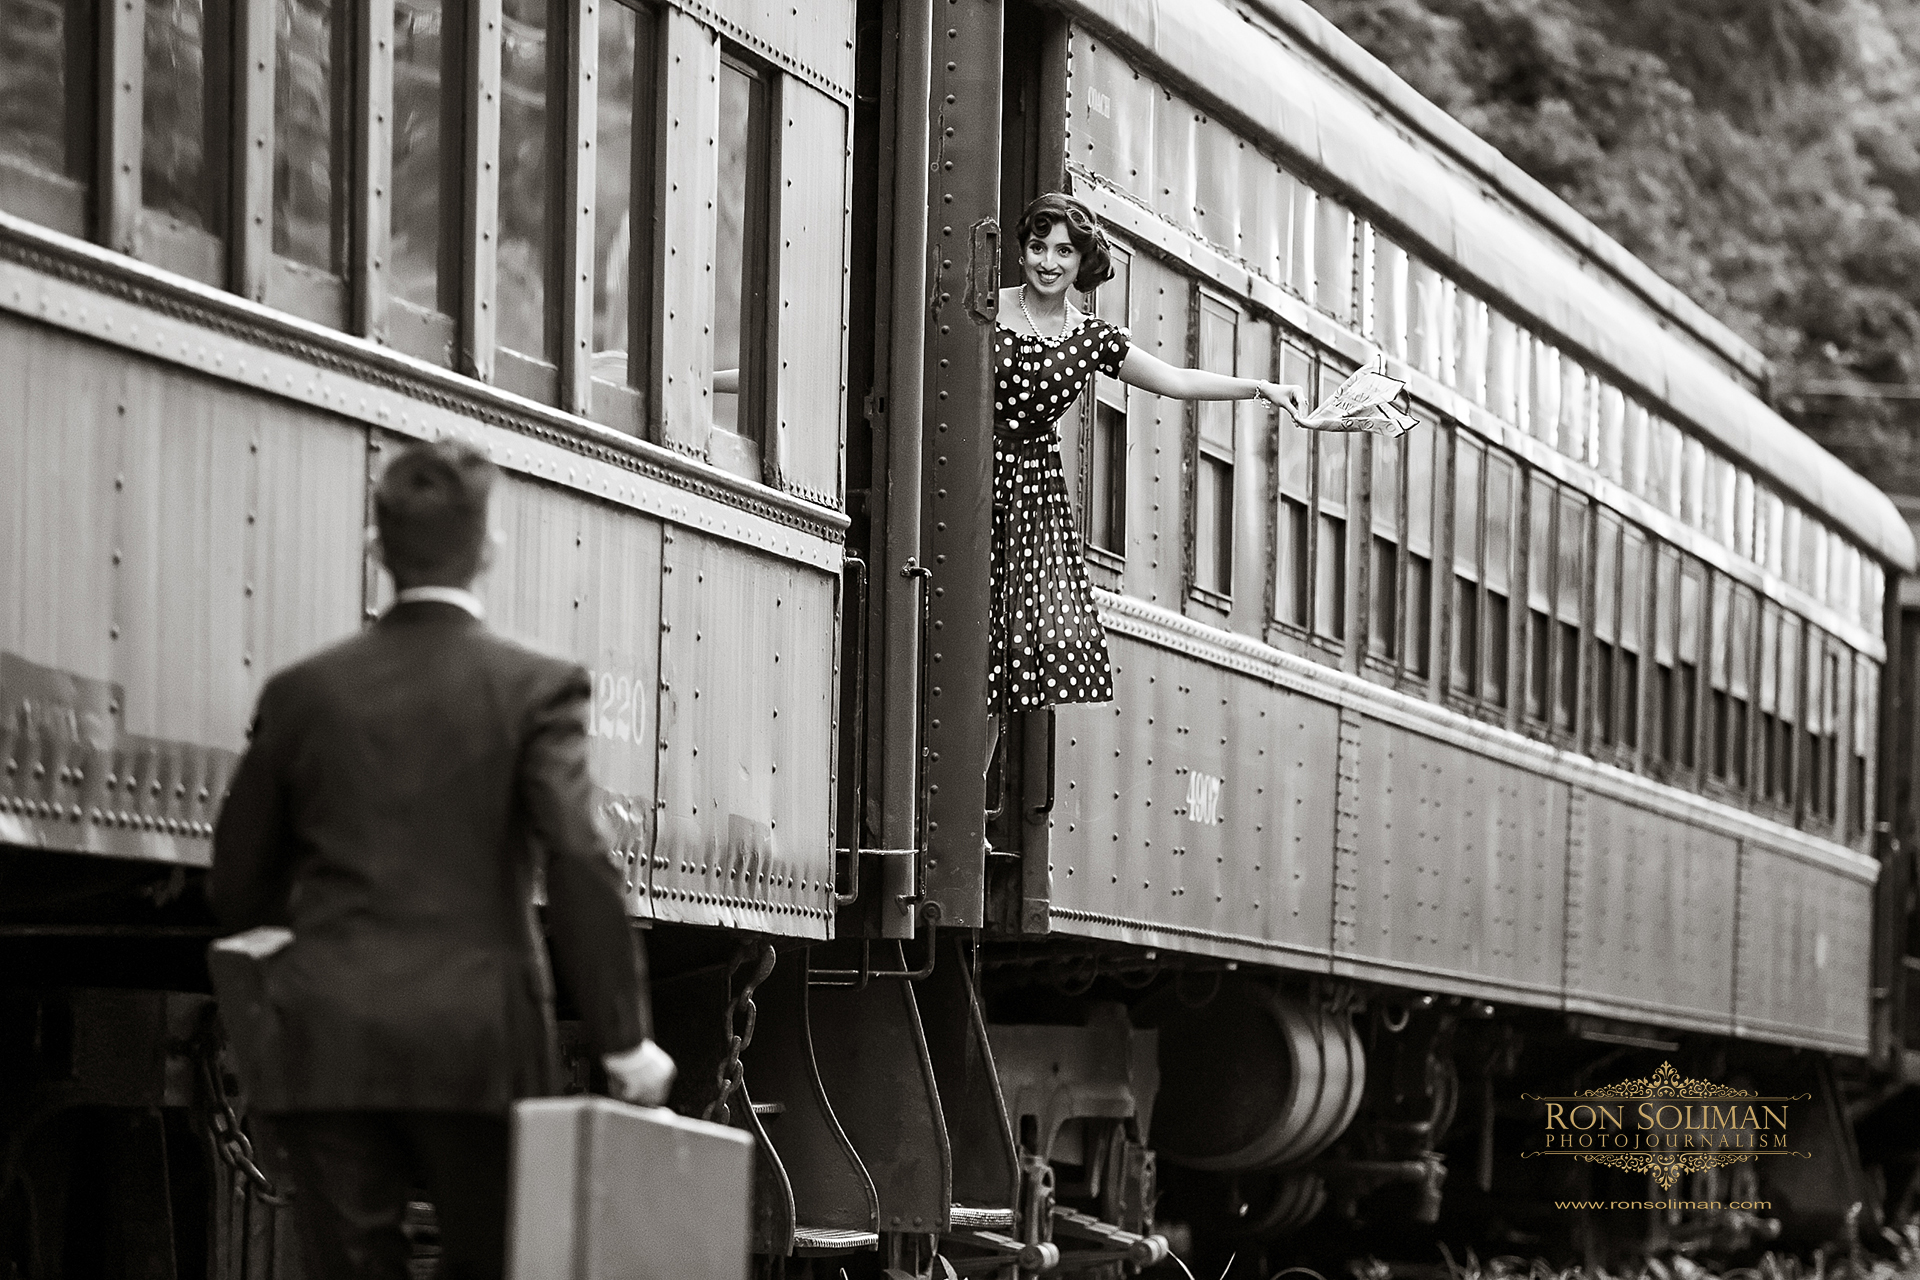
point(1048, 645)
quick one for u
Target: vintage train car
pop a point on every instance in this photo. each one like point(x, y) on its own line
point(1551, 731)
point(249, 248)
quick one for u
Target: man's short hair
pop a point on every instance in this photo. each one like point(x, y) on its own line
point(430, 508)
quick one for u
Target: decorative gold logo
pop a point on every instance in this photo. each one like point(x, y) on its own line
point(1665, 1124)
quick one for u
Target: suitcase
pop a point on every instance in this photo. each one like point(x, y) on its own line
point(606, 1191)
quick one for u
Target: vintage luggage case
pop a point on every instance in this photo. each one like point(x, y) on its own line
point(606, 1191)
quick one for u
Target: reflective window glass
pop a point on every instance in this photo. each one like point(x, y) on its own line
point(46, 110)
point(528, 180)
point(309, 134)
point(185, 109)
point(424, 252)
point(739, 259)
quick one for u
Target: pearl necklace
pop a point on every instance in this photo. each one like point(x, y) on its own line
point(1035, 329)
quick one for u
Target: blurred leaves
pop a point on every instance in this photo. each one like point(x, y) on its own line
point(1763, 155)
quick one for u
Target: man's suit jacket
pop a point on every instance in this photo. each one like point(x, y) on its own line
point(399, 791)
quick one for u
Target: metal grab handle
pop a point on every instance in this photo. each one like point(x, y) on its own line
point(1038, 811)
point(929, 912)
point(983, 272)
point(857, 567)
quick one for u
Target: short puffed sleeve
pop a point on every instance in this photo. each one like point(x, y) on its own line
point(1112, 351)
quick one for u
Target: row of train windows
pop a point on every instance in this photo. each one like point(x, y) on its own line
point(1142, 137)
point(1417, 315)
point(1510, 596)
point(192, 191)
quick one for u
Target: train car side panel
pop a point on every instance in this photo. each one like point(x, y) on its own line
point(1199, 806)
point(574, 577)
point(1799, 971)
point(1461, 862)
point(745, 741)
point(175, 541)
point(813, 283)
point(1654, 901)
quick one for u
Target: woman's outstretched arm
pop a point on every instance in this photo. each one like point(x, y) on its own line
point(1150, 373)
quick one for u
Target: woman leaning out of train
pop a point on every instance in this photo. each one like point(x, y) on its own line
point(1048, 647)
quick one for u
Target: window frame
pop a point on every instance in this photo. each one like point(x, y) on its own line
point(749, 452)
point(624, 405)
point(1204, 457)
point(1114, 439)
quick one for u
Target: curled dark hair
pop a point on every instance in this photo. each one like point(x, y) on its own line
point(430, 507)
point(1083, 229)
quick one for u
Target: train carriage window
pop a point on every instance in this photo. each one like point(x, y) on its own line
point(1425, 299)
point(1546, 388)
point(1785, 765)
point(1719, 701)
point(1497, 569)
point(623, 213)
point(1660, 689)
point(1790, 707)
point(1470, 329)
point(1468, 458)
point(1636, 427)
point(1389, 327)
point(1721, 501)
point(1383, 570)
point(740, 263)
point(1106, 491)
point(1813, 558)
point(1791, 543)
point(1739, 646)
point(1417, 602)
point(1687, 646)
point(1570, 555)
point(1693, 482)
point(1839, 582)
point(1539, 596)
point(47, 88)
point(1769, 739)
point(1772, 532)
point(1214, 454)
point(185, 112)
point(1294, 468)
point(1633, 605)
point(429, 78)
point(310, 99)
point(1503, 358)
point(1606, 613)
point(1613, 433)
point(1743, 512)
point(1865, 679)
point(529, 183)
point(1332, 453)
point(1580, 413)
point(1824, 700)
point(1334, 245)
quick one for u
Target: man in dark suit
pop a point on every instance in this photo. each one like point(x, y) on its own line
point(399, 794)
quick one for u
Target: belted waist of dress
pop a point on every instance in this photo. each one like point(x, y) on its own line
point(1021, 431)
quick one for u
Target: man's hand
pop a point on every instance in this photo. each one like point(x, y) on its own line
point(642, 1075)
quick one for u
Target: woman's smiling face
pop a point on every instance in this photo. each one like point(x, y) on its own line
point(1050, 262)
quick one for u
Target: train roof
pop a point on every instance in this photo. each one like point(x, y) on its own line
point(1285, 76)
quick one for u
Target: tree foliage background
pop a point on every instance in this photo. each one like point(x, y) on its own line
point(1763, 155)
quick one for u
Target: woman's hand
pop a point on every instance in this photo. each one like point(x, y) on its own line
point(1283, 395)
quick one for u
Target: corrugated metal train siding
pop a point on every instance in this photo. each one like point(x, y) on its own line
point(1365, 846)
point(1132, 852)
point(745, 742)
point(170, 543)
point(167, 541)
